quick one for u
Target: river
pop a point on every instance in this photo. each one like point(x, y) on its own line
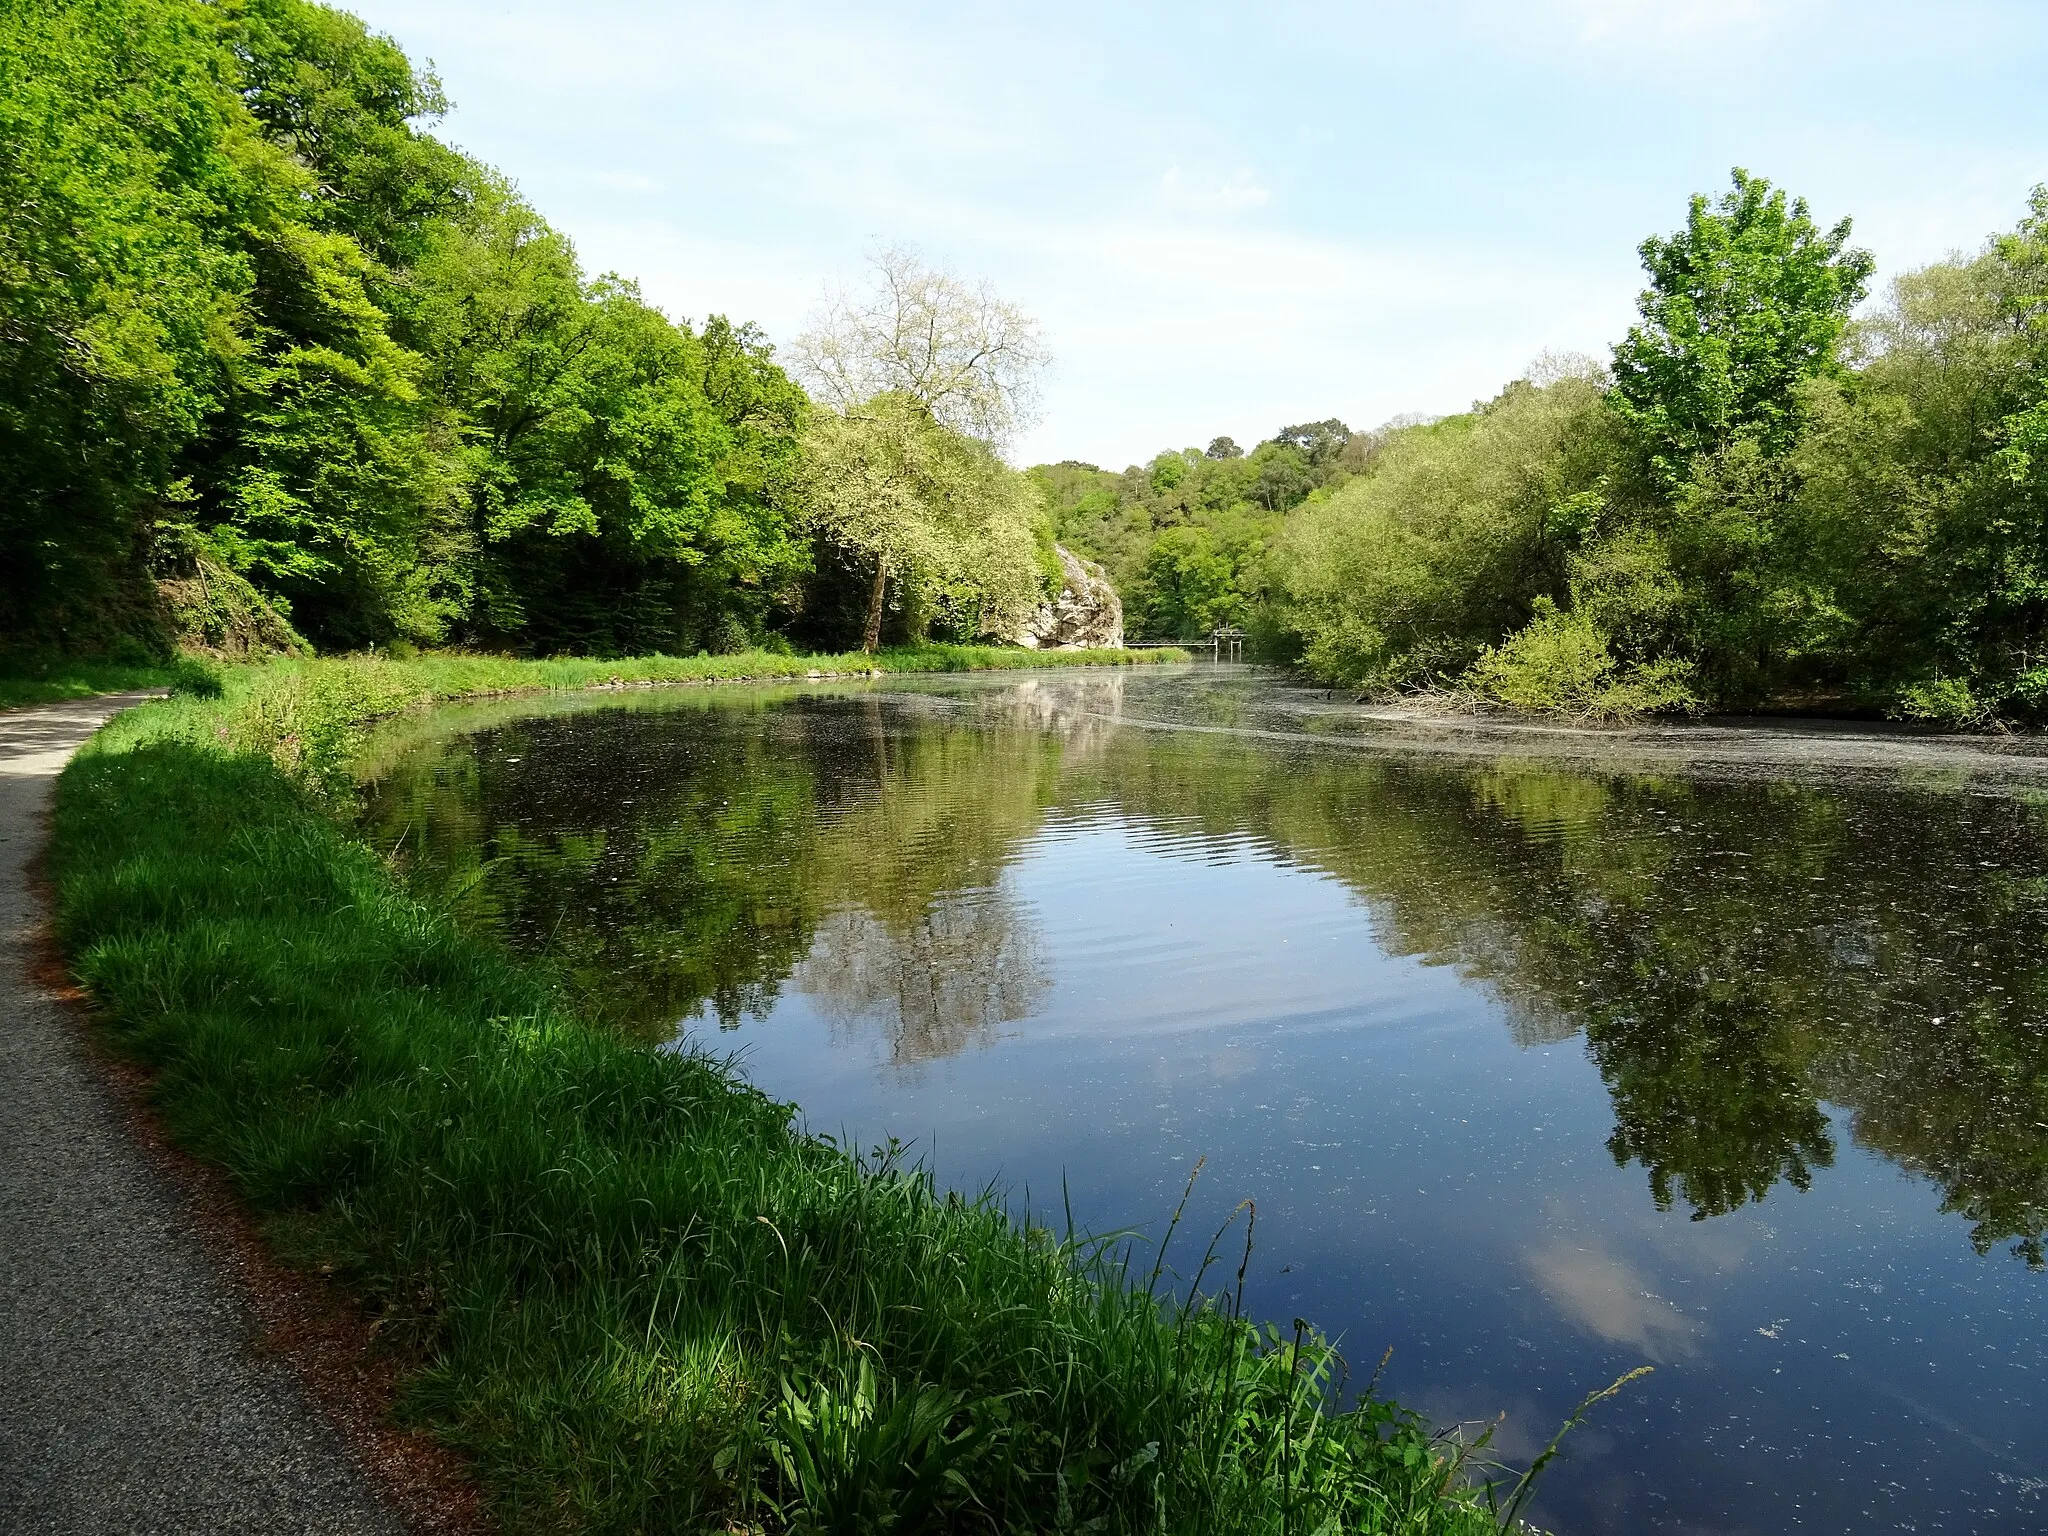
point(1541, 1056)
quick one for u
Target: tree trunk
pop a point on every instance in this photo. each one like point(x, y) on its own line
point(873, 638)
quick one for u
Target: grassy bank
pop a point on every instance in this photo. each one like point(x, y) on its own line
point(626, 1285)
point(50, 681)
point(47, 680)
point(308, 716)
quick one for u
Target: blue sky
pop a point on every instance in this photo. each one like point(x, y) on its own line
point(1230, 218)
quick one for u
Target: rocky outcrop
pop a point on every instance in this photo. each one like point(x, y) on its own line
point(212, 611)
point(1085, 614)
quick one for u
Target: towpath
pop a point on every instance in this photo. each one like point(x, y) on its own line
point(131, 1398)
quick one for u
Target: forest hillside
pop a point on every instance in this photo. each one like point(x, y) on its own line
point(279, 368)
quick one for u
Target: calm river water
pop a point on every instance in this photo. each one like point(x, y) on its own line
point(1537, 1070)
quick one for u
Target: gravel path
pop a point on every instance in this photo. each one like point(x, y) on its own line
point(131, 1399)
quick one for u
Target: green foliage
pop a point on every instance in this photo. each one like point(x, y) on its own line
point(1766, 503)
point(49, 679)
point(1745, 304)
point(1406, 573)
point(928, 509)
point(1185, 538)
point(1926, 515)
point(1190, 582)
point(124, 278)
point(268, 337)
point(623, 1282)
point(1560, 662)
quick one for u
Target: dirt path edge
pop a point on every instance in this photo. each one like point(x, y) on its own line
point(163, 1373)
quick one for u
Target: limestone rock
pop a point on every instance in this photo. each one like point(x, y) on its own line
point(1086, 614)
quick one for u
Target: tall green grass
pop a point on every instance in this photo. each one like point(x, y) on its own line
point(49, 680)
point(626, 1285)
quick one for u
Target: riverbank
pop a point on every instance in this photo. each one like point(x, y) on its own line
point(52, 681)
point(619, 1279)
point(134, 1401)
point(1722, 746)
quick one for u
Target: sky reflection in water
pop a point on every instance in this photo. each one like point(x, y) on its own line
point(1536, 1071)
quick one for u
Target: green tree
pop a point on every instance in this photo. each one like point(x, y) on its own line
point(619, 469)
point(933, 510)
point(1921, 505)
point(1404, 575)
point(1186, 587)
point(1187, 534)
point(1745, 303)
point(123, 287)
point(263, 328)
point(920, 503)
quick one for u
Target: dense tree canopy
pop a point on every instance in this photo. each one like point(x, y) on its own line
point(273, 358)
point(1763, 500)
point(272, 349)
point(1185, 537)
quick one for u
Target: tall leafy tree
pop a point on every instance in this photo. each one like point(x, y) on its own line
point(260, 324)
point(930, 506)
point(620, 471)
point(1746, 309)
point(123, 289)
point(1745, 303)
point(930, 509)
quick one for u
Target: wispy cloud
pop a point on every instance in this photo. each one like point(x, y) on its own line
point(1607, 1297)
point(1200, 193)
point(1655, 21)
point(1227, 220)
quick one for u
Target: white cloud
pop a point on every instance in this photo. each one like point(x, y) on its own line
point(1605, 1296)
point(1655, 21)
point(1197, 193)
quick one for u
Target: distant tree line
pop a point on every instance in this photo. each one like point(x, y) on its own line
point(277, 363)
point(1763, 497)
point(1186, 537)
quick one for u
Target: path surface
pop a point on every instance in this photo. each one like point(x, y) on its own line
point(130, 1398)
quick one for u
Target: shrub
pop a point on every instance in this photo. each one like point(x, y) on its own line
point(1560, 663)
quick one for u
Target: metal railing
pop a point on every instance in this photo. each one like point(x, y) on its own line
point(1226, 643)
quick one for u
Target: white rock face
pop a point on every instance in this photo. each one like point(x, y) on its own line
point(1086, 614)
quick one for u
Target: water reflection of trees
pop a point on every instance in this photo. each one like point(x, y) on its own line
point(1735, 954)
point(687, 860)
point(934, 985)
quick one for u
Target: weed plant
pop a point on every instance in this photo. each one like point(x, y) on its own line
point(624, 1282)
